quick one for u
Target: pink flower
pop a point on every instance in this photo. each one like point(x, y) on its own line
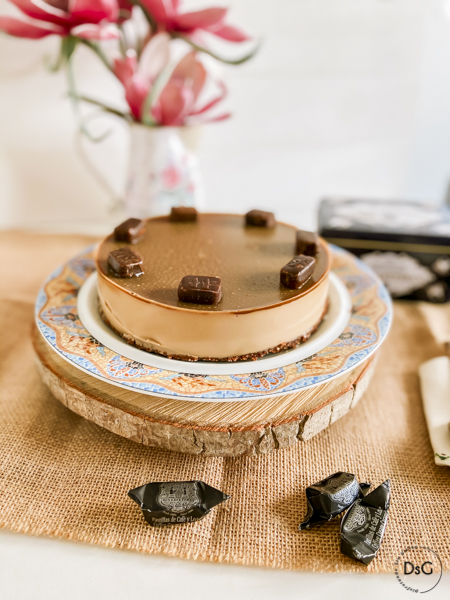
point(177, 103)
point(138, 78)
point(167, 16)
point(88, 19)
point(171, 177)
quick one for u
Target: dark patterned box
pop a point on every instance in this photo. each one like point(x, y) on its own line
point(406, 243)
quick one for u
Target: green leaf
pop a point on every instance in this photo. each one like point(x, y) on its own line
point(441, 456)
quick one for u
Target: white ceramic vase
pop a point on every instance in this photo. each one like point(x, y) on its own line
point(163, 170)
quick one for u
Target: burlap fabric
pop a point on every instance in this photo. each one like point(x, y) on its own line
point(63, 476)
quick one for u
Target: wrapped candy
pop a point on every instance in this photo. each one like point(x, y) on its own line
point(330, 497)
point(175, 502)
point(364, 524)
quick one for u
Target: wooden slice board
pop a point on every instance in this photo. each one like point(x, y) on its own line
point(211, 429)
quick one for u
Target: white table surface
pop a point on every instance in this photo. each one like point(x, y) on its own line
point(347, 97)
point(47, 569)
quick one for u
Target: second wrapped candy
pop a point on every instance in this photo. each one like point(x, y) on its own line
point(330, 497)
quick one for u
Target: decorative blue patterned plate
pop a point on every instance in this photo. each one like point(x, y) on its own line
point(58, 321)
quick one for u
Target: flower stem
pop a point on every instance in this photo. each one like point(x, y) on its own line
point(68, 45)
point(154, 94)
point(123, 43)
point(54, 66)
point(98, 51)
point(227, 61)
point(148, 16)
point(105, 107)
point(73, 94)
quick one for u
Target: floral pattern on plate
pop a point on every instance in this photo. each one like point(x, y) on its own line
point(124, 368)
point(57, 320)
point(265, 381)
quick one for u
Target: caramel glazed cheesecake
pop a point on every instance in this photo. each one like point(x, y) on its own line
point(213, 287)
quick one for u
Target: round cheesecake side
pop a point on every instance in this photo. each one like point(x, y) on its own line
point(175, 330)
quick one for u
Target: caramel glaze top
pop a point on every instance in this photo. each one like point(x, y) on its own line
point(247, 259)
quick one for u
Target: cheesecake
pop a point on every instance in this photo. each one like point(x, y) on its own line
point(212, 287)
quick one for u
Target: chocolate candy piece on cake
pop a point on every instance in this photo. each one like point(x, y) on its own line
point(200, 289)
point(176, 502)
point(183, 214)
point(331, 496)
point(125, 262)
point(307, 242)
point(260, 218)
point(297, 271)
point(130, 231)
point(364, 524)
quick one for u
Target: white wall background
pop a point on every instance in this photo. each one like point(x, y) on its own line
point(346, 97)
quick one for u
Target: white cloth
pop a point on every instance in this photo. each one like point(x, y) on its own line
point(435, 385)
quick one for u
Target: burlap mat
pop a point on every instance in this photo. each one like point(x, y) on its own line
point(63, 476)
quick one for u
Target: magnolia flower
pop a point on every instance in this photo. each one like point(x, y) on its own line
point(88, 19)
point(167, 16)
point(177, 103)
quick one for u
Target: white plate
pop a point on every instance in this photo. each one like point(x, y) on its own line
point(332, 326)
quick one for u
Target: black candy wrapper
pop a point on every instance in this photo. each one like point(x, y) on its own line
point(330, 497)
point(176, 502)
point(363, 525)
